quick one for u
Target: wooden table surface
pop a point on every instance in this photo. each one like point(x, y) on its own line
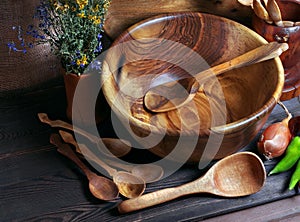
point(39, 184)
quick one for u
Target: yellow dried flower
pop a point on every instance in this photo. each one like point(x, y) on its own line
point(96, 8)
point(66, 8)
point(82, 3)
point(81, 15)
point(82, 61)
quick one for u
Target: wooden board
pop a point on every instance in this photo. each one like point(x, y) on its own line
point(38, 183)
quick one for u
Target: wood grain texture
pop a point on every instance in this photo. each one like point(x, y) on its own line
point(153, 47)
point(38, 184)
point(124, 13)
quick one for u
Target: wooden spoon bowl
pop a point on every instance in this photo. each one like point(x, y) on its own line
point(168, 44)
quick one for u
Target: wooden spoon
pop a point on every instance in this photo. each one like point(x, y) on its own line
point(148, 172)
point(116, 147)
point(261, 11)
point(274, 12)
point(237, 175)
point(100, 187)
point(129, 185)
point(166, 94)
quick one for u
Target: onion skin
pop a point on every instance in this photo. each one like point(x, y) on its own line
point(275, 139)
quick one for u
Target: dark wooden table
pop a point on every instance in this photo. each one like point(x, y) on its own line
point(39, 184)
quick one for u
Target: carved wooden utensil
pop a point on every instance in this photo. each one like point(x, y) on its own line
point(129, 185)
point(101, 187)
point(261, 11)
point(274, 12)
point(164, 96)
point(237, 175)
point(116, 147)
point(148, 172)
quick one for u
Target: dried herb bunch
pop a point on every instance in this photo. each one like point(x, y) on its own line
point(72, 28)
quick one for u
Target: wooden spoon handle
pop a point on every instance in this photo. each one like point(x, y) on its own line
point(66, 150)
point(158, 197)
point(59, 123)
point(262, 53)
point(91, 156)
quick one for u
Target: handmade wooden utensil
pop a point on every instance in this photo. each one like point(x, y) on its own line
point(261, 11)
point(167, 94)
point(116, 147)
point(148, 172)
point(237, 175)
point(101, 187)
point(274, 12)
point(129, 185)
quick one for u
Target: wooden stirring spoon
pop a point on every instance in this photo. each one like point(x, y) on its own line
point(101, 187)
point(148, 172)
point(237, 175)
point(167, 94)
point(116, 147)
point(129, 185)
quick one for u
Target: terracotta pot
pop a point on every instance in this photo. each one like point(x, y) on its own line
point(291, 58)
point(88, 98)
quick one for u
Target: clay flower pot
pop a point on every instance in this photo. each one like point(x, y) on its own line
point(86, 98)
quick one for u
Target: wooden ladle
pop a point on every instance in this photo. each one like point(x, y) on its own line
point(116, 147)
point(168, 92)
point(101, 187)
point(237, 175)
point(148, 172)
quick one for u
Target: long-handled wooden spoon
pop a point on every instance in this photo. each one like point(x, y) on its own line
point(129, 185)
point(116, 147)
point(167, 93)
point(237, 175)
point(148, 172)
point(100, 187)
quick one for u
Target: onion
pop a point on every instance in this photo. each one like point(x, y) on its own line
point(276, 137)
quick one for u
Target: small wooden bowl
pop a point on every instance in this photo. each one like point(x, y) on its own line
point(203, 129)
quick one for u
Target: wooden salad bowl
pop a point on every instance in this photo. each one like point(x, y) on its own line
point(228, 110)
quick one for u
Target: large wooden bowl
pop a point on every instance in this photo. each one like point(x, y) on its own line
point(209, 126)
